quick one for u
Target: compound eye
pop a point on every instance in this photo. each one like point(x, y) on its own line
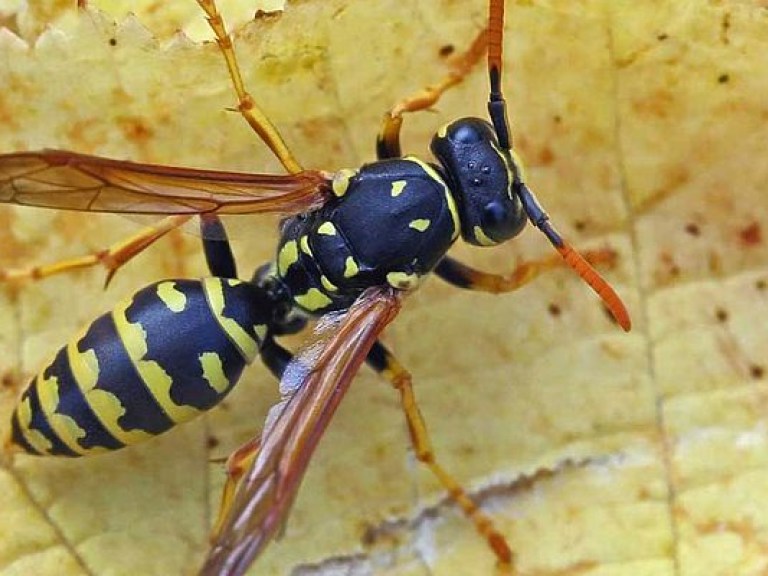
point(501, 221)
point(466, 133)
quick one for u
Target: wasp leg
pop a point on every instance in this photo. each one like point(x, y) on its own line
point(382, 360)
point(276, 359)
point(463, 276)
point(218, 252)
point(246, 105)
point(112, 258)
point(388, 139)
point(237, 463)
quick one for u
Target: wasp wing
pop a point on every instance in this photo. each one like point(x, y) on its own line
point(266, 492)
point(71, 181)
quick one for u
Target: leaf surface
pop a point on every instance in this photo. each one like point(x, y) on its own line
point(644, 128)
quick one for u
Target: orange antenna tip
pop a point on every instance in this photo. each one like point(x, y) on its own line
point(601, 287)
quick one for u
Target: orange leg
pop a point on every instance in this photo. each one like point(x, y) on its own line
point(387, 365)
point(247, 106)
point(112, 258)
point(238, 462)
point(388, 140)
point(464, 276)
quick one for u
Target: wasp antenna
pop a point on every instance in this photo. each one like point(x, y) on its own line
point(601, 287)
point(497, 106)
point(608, 295)
point(497, 109)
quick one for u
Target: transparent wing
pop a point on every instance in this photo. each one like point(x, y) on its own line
point(294, 427)
point(70, 181)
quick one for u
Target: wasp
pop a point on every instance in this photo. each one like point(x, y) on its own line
point(353, 244)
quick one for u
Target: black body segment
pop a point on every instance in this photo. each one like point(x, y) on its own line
point(390, 223)
point(160, 358)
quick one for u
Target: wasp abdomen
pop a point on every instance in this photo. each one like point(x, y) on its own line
point(165, 355)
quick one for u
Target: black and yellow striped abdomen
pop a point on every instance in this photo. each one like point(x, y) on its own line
point(162, 357)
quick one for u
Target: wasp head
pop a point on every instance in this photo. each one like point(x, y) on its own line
point(483, 179)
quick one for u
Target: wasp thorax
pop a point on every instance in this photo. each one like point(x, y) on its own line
point(481, 177)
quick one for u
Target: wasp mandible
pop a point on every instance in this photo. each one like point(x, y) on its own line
point(353, 244)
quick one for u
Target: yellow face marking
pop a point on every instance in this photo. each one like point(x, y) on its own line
point(519, 164)
point(34, 438)
point(157, 380)
point(175, 300)
point(288, 255)
point(420, 224)
point(443, 130)
point(402, 280)
point(213, 371)
point(105, 405)
point(312, 300)
point(327, 228)
point(482, 239)
point(327, 284)
point(350, 267)
point(340, 181)
point(510, 175)
point(397, 188)
point(304, 244)
point(214, 293)
point(65, 427)
point(449, 200)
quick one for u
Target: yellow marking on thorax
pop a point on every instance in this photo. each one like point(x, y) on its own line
point(519, 164)
point(327, 228)
point(313, 300)
point(403, 280)
point(449, 200)
point(214, 293)
point(34, 438)
point(174, 299)
point(105, 405)
point(397, 188)
point(287, 257)
point(481, 238)
point(327, 284)
point(261, 331)
point(420, 224)
point(157, 381)
point(213, 371)
point(340, 181)
point(350, 267)
point(304, 244)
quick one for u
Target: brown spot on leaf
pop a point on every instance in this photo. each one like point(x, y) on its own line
point(546, 156)
point(657, 103)
point(135, 129)
point(446, 50)
point(751, 235)
point(8, 379)
point(721, 314)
